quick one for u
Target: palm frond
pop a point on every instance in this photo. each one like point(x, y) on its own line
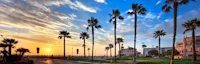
point(121, 18)
point(110, 15)
point(87, 28)
point(186, 31)
point(185, 1)
point(166, 8)
point(142, 11)
point(68, 36)
point(98, 26)
point(130, 12)
point(169, 1)
point(60, 37)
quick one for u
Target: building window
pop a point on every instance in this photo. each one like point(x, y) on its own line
point(197, 42)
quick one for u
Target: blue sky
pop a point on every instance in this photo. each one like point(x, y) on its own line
point(39, 22)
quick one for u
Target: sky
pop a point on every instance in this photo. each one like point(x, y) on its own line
point(36, 23)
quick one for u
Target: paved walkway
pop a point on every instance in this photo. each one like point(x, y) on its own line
point(59, 61)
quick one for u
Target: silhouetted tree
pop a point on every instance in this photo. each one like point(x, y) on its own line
point(191, 25)
point(10, 43)
point(64, 34)
point(158, 34)
point(4, 51)
point(174, 4)
point(114, 16)
point(119, 40)
point(93, 23)
point(122, 47)
point(107, 48)
point(88, 52)
point(84, 36)
point(137, 9)
point(22, 51)
point(110, 47)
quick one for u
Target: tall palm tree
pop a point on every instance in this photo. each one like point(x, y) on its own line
point(93, 23)
point(10, 43)
point(110, 47)
point(64, 34)
point(158, 34)
point(169, 4)
point(107, 48)
point(114, 16)
point(137, 9)
point(84, 36)
point(119, 40)
point(191, 25)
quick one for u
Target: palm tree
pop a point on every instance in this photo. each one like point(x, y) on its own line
point(10, 43)
point(107, 48)
point(169, 4)
point(191, 25)
point(22, 51)
point(84, 36)
point(143, 45)
point(93, 23)
point(137, 9)
point(119, 40)
point(88, 52)
point(110, 47)
point(158, 34)
point(64, 34)
point(114, 16)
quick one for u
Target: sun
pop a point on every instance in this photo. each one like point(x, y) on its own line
point(48, 50)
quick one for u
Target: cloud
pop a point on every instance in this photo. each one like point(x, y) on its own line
point(101, 1)
point(76, 5)
point(150, 15)
point(20, 18)
point(159, 1)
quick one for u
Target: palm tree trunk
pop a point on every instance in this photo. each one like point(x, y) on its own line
point(159, 46)
point(193, 46)
point(64, 46)
point(92, 42)
point(84, 49)
point(119, 50)
point(135, 30)
point(88, 53)
point(174, 36)
point(10, 49)
point(107, 53)
point(110, 52)
point(115, 37)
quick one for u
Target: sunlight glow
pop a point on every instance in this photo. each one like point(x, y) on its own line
point(48, 50)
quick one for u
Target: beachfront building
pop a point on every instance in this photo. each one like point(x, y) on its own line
point(185, 47)
point(162, 49)
point(129, 52)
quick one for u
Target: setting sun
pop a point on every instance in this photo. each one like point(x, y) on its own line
point(48, 50)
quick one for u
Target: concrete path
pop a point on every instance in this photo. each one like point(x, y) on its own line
point(59, 61)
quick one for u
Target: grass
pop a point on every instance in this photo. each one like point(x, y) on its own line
point(146, 60)
point(140, 60)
